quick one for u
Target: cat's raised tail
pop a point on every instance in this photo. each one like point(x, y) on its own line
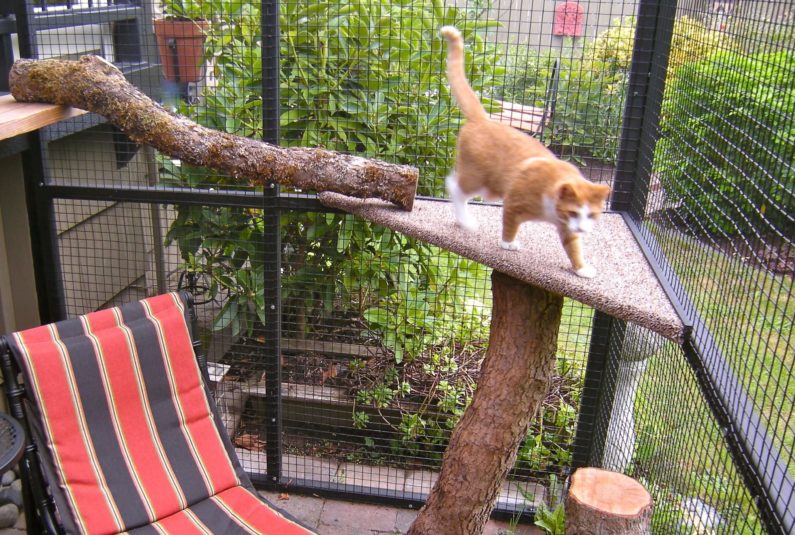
point(464, 95)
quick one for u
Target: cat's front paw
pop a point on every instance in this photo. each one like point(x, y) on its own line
point(586, 272)
point(510, 245)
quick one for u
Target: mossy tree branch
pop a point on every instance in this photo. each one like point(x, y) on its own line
point(95, 85)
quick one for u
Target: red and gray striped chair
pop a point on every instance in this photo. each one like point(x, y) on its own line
point(125, 435)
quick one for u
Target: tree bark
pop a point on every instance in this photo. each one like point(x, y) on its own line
point(607, 503)
point(95, 85)
point(514, 380)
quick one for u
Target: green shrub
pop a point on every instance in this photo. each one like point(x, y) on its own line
point(589, 113)
point(593, 83)
point(222, 246)
point(691, 41)
point(364, 77)
point(725, 155)
point(355, 76)
point(527, 76)
point(368, 77)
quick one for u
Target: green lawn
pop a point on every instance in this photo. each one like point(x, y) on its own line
point(680, 450)
point(750, 314)
point(680, 453)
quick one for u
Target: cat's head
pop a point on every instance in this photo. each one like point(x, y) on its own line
point(580, 203)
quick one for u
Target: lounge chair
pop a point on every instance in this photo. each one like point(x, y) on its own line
point(124, 434)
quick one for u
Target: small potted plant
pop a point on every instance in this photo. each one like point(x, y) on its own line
point(180, 38)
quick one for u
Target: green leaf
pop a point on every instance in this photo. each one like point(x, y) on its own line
point(377, 316)
point(291, 116)
point(227, 314)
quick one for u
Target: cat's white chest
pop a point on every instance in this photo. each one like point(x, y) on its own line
point(550, 209)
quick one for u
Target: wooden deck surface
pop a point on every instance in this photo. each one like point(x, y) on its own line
point(525, 118)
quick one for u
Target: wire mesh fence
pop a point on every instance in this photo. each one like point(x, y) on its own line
point(343, 353)
point(718, 211)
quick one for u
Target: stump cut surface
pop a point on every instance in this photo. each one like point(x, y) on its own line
point(609, 492)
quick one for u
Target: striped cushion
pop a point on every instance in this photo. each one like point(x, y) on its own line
point(233, 511)
point(129, 425)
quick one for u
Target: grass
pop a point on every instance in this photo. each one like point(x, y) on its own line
point(749, 312)
point(680, 452)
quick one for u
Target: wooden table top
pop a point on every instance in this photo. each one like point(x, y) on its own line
point(17, 118)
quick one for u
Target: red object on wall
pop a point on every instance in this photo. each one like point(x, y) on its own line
point(569, 17)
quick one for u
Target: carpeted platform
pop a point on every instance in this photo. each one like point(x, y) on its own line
point(625, 286)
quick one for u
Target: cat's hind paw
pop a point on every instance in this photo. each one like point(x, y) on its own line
point(586, 272)
point(510, 245)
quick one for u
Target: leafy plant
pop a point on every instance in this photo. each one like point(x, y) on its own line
point(552, 521)
point(593, 83)
point(357, 77)
point(367, 77)
point(223, 246)
point(551, 517)
point(188, 9)
point(725, 181)
point(361, 77)
point(587, 121)
point(548, 440)
point(691, 41)
point(527, 76)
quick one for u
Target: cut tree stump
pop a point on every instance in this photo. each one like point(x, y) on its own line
point(97, 86)
point(608, 503)
point(514, 380)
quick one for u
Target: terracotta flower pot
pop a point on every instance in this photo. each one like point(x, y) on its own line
point(181, 45)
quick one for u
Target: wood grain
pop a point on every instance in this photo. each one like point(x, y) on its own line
point(17, 118)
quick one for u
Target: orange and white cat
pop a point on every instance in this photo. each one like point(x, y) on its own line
point(495, 161)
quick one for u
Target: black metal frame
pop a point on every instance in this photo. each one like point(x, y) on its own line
point(272, 221)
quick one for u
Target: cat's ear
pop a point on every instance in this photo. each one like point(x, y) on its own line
point(602, 191)
point(567, 192)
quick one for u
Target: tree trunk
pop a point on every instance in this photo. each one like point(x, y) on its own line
point(514, 380)
point(606, 503)
point(95, 85)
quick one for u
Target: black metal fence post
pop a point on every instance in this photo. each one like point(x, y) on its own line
point(43, 234)
point(44, 238)
point(272, 244)
point(598, 391)
point(630, 186)
point(645, 87)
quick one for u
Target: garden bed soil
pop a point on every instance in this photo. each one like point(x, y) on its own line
point(325, 428)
